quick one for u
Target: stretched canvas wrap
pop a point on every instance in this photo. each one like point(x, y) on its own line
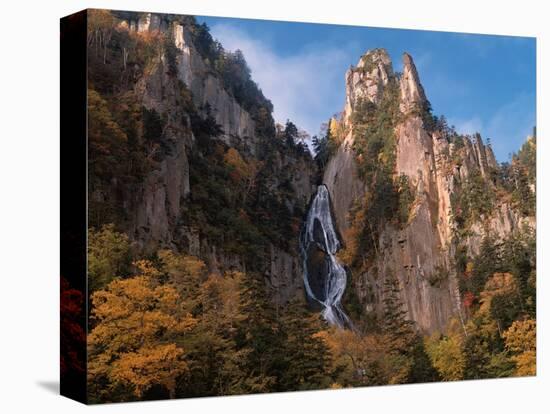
point(256, 206)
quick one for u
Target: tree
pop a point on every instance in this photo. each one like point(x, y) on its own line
point(185, 273)
point(305, 353)
point(107, 141)
point(109, 256)
point(400, 336)
point(523, 174)
point(521, 341)
point(149, 366)
point(324, 145)
point(132, 344)
point(480, 346)
point(73, 335)
point(100, 30)
point(398, 329)
point(258, 338)
point(422, 369)
point(290, 134)
point(406, 198)
point(501, 299)
point(485, 264)
point(211, 349)
point(447, 356)
point(356, 360)
point(243, 173)
point(483, 344)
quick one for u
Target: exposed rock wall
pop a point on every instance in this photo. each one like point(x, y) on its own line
point(366, 81)
point(420, 254)
point(158, 201)
point(154, 206)
point(208, 89)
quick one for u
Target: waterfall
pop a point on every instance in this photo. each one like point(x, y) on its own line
point(324, 276)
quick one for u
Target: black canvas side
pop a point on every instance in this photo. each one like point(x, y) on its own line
point(73, 205)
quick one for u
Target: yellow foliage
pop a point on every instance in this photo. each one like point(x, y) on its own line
point(335, 129)
point(240, 167)
point(469, 269)
point(219, 297)
point(147, 269)
point(105, 132)
point(133, 341)
point(364, 359)
point(352, 236)
point(521, 341)
point(98, 18)
point(447, 356)
point(151, 365)
point(498, 284)
point(185, 273)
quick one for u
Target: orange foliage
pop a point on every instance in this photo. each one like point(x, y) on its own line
point(133, 341)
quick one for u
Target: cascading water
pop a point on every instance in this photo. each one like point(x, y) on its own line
point(324, 276)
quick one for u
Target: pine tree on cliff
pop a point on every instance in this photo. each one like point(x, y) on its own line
point(404, 345)
point(396, 326)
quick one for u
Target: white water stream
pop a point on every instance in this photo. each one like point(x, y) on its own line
point(326, 240)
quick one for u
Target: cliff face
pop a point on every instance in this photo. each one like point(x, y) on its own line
point(166, 188)
point(207, 89)
point(420, 252)
point(205, 172)
point(188, 97)
point(366, 81)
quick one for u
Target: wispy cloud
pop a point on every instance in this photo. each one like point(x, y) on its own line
point(308, 86)
point(301, 86)
point(422, 61)
point(467, 126)
point(511, 123)
point(507, 126)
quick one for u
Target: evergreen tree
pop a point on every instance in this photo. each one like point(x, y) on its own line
point(486, 263)
point(422, 369)
point(290, 134)
point(212, 353)
point(258, 338)
point(306, 354)
point(398, 329)
point(407, 359)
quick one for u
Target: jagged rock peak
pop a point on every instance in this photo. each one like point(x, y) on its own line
point(412, 92)
point(376, 58)
point(368, 79)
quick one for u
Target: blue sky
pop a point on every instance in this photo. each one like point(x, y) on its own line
point(481, 83)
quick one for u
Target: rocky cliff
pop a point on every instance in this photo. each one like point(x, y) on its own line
point(420, 252)
point(185, 155)
point(214, 173)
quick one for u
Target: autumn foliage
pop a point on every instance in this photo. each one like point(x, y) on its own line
point(73, 335)
point(136, 321)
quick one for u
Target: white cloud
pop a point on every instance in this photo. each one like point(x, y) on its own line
point(467, 126)
point(422, 61)
point(510, 124)
point(308, 87)
point(300, 86)
point(507, 127)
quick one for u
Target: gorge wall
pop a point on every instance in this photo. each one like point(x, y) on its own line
point(420, 252)
point(204, 132)
point(196, 164)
